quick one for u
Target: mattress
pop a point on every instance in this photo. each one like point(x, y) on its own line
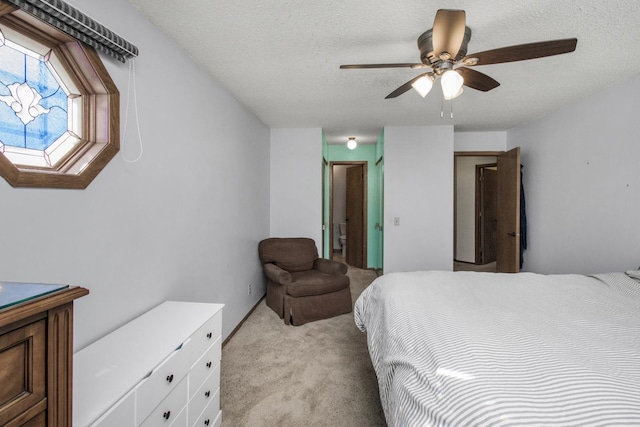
point(491, 349)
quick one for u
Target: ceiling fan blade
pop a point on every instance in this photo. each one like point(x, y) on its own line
point(448, 32)
point(402, 65)
point(522, 52)
point(405, 87)
point(477, 80)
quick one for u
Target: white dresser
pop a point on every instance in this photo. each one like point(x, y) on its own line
point(162, 369)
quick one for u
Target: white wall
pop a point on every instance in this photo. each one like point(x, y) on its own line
point(296, 183)
point(480, 141)
point(183, 223)
point(582, 184)
point(418, 189)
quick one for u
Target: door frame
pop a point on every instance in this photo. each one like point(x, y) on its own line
point(455, 177)
point(365, 211)
point(325, 165)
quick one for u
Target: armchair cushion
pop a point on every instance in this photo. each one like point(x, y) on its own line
point(329, 266)
point(313, 282)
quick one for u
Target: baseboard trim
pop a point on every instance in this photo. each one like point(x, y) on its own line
point(465, 262)
point(242, 321)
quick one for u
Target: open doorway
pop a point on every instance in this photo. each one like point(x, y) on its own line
point(487, 211)
point(468, 210)
point(348, 213)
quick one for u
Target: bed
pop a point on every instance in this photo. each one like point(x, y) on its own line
point(491, 349)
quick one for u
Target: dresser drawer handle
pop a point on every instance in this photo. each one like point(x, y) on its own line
point(208, 364)
point(206, 422)
point(209, 335)
point(207, 393)
point(166, 415)
point(169, 378)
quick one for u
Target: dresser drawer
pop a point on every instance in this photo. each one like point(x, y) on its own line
point(161, 382)
point(207, 394)
point(205, 336)
point(210, 417)
point(122, 414)
point(167, 412)
point(38, 421)
point(203, 367)
point(181, 419)
point(22, 369)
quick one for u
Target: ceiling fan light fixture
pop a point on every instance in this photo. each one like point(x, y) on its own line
point(423, 85)
point(451, 82)
point(352, 144)
point(455, 95)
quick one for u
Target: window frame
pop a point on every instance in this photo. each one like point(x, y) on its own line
point(100, 140)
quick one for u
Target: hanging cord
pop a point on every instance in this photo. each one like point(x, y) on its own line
point(132, 77)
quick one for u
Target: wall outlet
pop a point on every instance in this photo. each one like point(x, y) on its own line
point(249, 290)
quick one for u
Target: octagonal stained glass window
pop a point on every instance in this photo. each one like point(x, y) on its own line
point(59, 108)
point(37, 106)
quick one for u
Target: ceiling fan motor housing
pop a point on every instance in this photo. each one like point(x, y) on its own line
point(428, 57)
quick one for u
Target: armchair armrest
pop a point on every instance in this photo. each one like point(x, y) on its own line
point(329, 266)
point(277, 274)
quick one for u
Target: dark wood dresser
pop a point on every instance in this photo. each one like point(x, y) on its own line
point(36, 354)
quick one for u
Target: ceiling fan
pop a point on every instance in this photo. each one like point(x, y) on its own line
point(443, 52)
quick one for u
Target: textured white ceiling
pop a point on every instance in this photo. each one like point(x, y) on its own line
point(281, 57)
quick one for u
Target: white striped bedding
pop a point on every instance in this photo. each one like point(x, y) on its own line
point(487, 349)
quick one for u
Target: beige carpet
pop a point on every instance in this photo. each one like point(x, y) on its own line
point(317, 374)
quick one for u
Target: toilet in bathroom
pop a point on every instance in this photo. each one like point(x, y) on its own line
point(342, 229)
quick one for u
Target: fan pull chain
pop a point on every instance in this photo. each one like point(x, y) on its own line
point(442, 109)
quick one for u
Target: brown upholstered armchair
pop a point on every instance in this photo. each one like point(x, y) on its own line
point(301, 287)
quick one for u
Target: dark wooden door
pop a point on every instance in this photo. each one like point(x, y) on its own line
point(488, 207)
point(355, 216)
point(508, 238)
